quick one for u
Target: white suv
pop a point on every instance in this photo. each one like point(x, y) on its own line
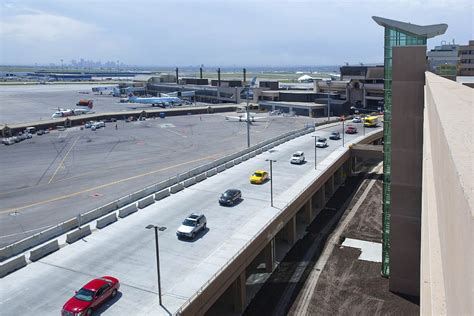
point(298, 157)
point(192, 225)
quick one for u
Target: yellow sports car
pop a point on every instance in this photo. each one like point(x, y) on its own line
point(259, 176)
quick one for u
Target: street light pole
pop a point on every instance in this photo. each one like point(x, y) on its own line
point(271, 180)
point(315, 147)
point(329, 103)
point(343, 132)
point(157, 257)
point(248, 119)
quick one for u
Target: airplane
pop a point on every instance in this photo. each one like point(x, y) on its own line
point(251, 116)
point(243, 118)
point(155, 101)
point(73, 112)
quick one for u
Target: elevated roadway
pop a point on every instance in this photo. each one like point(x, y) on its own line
point(126, 249)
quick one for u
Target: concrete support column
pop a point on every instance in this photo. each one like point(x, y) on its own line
point(321, 200)
point(239, 293)
point(354, 164)
point(329, 186)
point(291, 231)
point(308, 211)
point(268, 256)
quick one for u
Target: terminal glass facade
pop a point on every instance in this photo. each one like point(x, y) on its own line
point(392, 38)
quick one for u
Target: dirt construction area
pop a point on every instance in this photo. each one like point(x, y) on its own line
point(338, 279)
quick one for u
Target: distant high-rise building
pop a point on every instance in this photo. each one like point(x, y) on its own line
point(443, 60)
point(466, 59)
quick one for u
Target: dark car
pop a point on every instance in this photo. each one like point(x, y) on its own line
point(230, 197)
point(351, 130)
point(335, 136)
point(91, 296)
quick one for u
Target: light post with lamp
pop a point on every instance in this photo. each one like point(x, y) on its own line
point(271, 180)
point(315, 147)
point(329, 82)
point(157, 228)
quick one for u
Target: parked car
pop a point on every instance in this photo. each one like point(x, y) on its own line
point(192, 225)
point(321, 142)
point(40, 132)
point(259, 176)
point(91, 296)
point(351, 130)
point(297, 158)
point(335, 136)
point(230, 197)
point(88, 124)
point(357, 119)
point(8, 141)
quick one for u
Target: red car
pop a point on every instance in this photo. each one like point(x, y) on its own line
point(351, 130)
point(91, 296)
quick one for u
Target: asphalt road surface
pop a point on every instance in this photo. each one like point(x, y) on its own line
point(51, 178)
point(32, 103)
point(126, 249)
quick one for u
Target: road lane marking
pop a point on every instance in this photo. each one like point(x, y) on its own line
point(62, 161)
point(102, 186)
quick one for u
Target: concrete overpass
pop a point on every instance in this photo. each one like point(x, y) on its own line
point(217, 265)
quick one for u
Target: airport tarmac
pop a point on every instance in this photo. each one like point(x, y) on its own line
point(55, 177)
point(31, 103)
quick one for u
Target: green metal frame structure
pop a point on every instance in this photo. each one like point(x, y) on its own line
point(397, 33)
point(393, 38)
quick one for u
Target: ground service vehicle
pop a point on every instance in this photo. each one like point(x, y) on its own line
point(230, 197)
point(371, 121)
point(192, 225)
point(297, 158)
point(259, 176)
point(91, 296)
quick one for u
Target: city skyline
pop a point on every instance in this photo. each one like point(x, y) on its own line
point(243, 33)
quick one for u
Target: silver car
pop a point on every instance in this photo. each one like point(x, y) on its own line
point(192, 225)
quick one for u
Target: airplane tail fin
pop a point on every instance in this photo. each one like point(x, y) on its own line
point(253, 82)
point(131, 96)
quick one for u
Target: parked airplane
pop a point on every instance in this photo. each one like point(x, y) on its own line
point(243, 118)
point(72, 112)
point(155, 101)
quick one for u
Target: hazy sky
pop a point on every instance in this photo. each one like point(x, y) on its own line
point(217, 33)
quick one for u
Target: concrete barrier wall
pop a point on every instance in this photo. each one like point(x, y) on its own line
point(211, 172)
point(200, 177)
point(37, 239)
point(176, 188)
point(146, 201)
point(12, 265)
point(229, 161)
point(189, 182)
point(172, 181)
point(109, 219)
point(183, 176)
point(162, 194)
point(78, 234)
point(44, 250)
point(124, 212)
point(162, 185)
point(139, 195)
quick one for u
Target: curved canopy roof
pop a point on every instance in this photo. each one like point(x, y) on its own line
point(417, 30)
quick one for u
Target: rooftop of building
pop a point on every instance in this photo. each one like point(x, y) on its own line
point(427, 31)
